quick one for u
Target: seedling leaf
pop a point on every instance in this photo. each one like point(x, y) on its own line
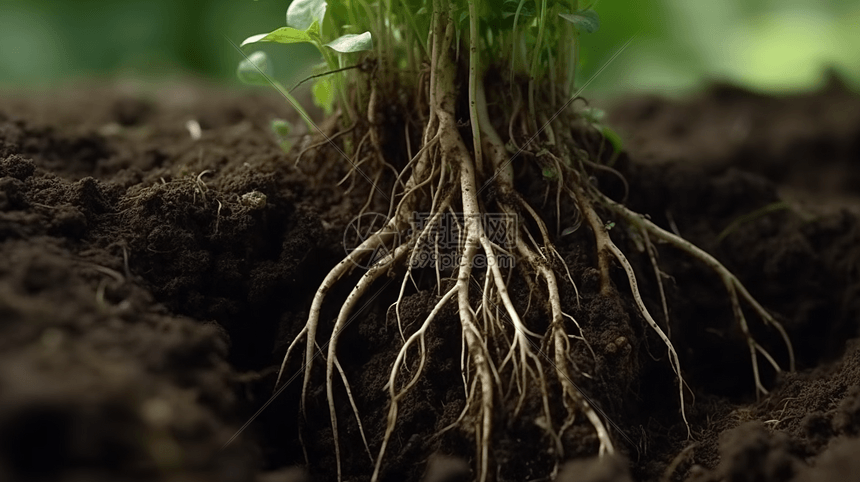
point(253, 39)
point(510, 7)
point(613, 138)
point(585, 20)
point(255, 68)
point(463, 17)
point(339, 13)
point(323, 92)
point(594, 115)
point(352, 43)
point(281, 128)
point(283, 35)
point(301, 14)
point(549, 173)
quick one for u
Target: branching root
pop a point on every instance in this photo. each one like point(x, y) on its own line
point(503, 361)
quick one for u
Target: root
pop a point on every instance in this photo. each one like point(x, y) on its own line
point(360, 289)
point(396, 395)
point(652, 256)
point(561, 347)
point(503, 361)
point(327, 140)
point(734, 287)
point(573, 399)
point(605, 248)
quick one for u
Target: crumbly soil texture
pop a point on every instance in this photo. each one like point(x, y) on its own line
point(159, 251)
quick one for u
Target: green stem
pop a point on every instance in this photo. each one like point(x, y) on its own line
point(552, 77)
point(515, 45)
point(383, 57)
point(388, 39)
point(575, 60)
point(296, 105)
point(411, 19)
point(474, 59)
point(535, 63)
point(770, 208)
point(339, 81)
point(574, 5)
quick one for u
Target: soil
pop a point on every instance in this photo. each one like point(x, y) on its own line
point(151, 282)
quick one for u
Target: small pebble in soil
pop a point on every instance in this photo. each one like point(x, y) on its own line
point(613, 346)
point(254, 200)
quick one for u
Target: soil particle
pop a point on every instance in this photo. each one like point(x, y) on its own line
point(609, 469)
point(838, 462)
point(751, 453)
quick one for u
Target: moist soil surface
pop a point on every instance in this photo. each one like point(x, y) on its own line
point(151, 281)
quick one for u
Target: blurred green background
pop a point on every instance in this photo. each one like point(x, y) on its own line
point(680, 45)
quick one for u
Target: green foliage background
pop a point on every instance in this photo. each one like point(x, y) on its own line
point(680, 45)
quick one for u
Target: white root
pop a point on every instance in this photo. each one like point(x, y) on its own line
point(561, 349)
point(732, 283)
point(454, 150)
point(416, 243)
point(354, 409)
point(504, 177)
point(360, 289)
point(605, 246)
point(396, 395)
point(652, 255)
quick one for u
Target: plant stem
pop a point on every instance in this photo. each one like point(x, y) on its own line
point(474, 60)
point(411, 19)
point(535, 64)
point(296, 105)
point(574, 5)
point(515, 41)
point(339, 81)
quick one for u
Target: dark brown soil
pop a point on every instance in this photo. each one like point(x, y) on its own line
point(147, 297)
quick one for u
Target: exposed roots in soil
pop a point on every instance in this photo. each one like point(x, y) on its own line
point(447, 178)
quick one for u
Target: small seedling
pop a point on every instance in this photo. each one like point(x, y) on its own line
point(257, 69)
point(282, 129)
point(305, 20)
point(746, 218)
point(595, 117)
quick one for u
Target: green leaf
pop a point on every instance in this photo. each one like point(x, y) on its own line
point(324, 94)
point(569, 230)
point(281, 128)
point(301, 14)
point(352, 43)
point(613, 138)
point(586, 20)
point(283, 35)
point(463, 16)
point(339, 12)
point(255, 69)
point(549, 173)
point(314, 29)
point(593, 115)
point(510, 7)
